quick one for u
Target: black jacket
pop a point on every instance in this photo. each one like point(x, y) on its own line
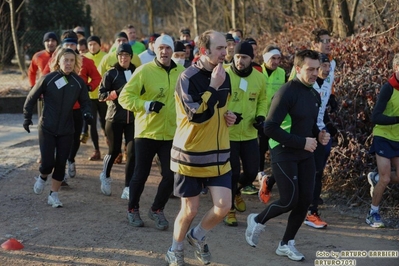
point(291, 119)
point(114, 79)
point(57, 118)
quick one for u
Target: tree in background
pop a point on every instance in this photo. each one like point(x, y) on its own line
point(59, 16)
point(7, 48)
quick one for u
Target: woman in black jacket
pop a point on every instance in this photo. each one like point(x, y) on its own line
point(60, 89)
point(119, 121)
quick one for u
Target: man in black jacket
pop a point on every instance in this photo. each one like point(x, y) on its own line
point(291, 125)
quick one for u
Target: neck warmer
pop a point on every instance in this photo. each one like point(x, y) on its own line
point(242, 73)
point(394, 81)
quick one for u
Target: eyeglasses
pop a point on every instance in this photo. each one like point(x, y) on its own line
point(325, 41)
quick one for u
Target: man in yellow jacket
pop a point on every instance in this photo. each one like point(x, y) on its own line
point(201, 148)
point(150, 95)
point(248, 102)
point(96, 54)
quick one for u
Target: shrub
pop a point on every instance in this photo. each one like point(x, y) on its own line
point(363, 66)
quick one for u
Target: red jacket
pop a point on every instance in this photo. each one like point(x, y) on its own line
point(87, 71)
point(38, 63)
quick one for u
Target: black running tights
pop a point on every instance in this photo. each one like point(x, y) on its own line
point(295, 181)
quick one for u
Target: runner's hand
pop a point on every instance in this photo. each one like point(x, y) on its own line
point(218, 76)
point(26, 125)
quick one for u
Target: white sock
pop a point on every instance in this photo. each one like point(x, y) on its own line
point(177, 245)
point(374, 209)
point(377, 177)
point(199, 232)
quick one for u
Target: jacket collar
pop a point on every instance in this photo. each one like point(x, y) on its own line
point(394, 81)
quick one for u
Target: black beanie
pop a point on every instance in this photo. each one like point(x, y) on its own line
point(229, 37)
point(94, 38)
point(124, 47)
point(179, 47)
point(50, 35)
point(121, 35)
point(244, 48)
point(324, 58)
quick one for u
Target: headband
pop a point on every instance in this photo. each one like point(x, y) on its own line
point(70, 40)
point(268, 55)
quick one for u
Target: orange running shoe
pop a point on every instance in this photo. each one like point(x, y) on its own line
point(96, 156)
point(118, 160)
point(314, 220)
point(264, 193)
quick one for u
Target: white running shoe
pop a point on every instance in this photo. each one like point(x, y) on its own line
point(253, 230)
point(71, 169)
point(290, 251)
point(175, 258)
point(125, 193)
point(38, 187)
point(54, 201)
point(105, 184)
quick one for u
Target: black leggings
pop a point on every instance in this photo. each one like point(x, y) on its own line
point(50, 145)
point(145, 150)
point(243, 150)
point(263, 147)
point(115, 132)
point(321, 156)
point(295, 181)
point(78, 122)
point(101, 109)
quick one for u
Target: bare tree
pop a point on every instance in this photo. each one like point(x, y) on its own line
point(344, 17)
point(193, 6)
point(18, 52)
point(150, 16)
point(233, 14)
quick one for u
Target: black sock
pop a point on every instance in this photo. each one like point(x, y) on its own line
point(283, 243)
point(44, 179)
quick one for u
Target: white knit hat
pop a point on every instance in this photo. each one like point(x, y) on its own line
point(164, 39)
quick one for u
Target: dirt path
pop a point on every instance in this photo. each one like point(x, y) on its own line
point(92, 229)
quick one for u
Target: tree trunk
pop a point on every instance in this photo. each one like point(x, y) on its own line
point(150, 17)
point(243, 18)
point(195, 19)
point(233, 14)
point(19, 55)
point(326, 14)
point(344, 25)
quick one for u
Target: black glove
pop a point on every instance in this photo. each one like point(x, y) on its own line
point(332, 102)
point(331, 129)
point(259, 122)
point(156, 106)
point(26, 124)
point(238, 119)
point(88, 118)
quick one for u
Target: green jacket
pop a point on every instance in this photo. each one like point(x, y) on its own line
point(250, 103)
point(151, 82)
point(273, 83)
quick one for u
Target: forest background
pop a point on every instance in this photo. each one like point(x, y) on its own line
point(365, 39)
